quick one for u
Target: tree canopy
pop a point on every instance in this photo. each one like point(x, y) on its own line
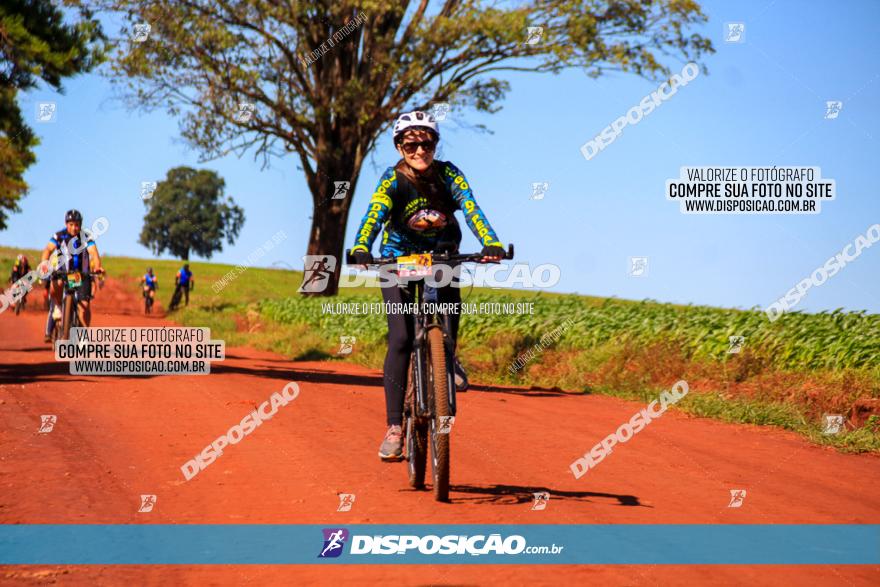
point(188, 213)
point(324, 79)
point(36, 44)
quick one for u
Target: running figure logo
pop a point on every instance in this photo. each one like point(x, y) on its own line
point(834, 424)
point(737, 496)
point(47, 423)
point(147, 189)
point(147, 503)
point(439, 110)
point(638, 266)
point(534, 34)
point(346, 500)
point(539, 188)
point(541, 499)
point(244, 113)
point(334, 540)
point(832, 109)
point(318, 269)
point(341, 189)
point(446, 423)
point(734, 32)
point(46, 111)
point(140, 32)
point(736, 344)
point(346, 345)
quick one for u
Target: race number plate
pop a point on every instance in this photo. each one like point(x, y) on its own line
point(414, 266)
point(74, 279)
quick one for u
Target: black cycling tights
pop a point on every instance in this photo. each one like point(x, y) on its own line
point(401, 331)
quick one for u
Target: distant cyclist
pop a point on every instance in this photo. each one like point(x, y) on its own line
point(416, 201)
point(183, 282)
point(150, 283)
point(87, 259)
point(20, 268)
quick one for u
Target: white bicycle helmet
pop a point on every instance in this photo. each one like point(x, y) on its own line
point(415, 119)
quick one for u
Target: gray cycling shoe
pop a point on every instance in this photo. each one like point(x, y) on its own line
point(461, 380)
point(392, 445)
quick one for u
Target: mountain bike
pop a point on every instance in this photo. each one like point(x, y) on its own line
point(429, 405)
point(21, 302)
point(148, 301)
point(70, 298)
point(178, 295)
point(175, 299)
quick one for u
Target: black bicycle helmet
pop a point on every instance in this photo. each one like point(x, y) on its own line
point(73, 216)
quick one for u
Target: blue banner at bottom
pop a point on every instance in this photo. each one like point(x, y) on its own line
point(615, 544)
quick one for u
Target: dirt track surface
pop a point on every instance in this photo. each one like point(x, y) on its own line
point(119, 437)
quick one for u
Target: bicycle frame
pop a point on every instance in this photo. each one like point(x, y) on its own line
point(72, 292)
point(425, 321)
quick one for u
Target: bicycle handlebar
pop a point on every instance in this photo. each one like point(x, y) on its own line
point(435, 257)
point(89, 272)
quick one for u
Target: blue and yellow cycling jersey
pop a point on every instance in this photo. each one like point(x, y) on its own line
point(416, 223)
point(150, 280)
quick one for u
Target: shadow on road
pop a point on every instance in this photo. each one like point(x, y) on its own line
point(31, 372)
point(361, 379)
point(516, 494)
point(531, 391)
point(294, 374)
point(52, 370)
point(34, 349)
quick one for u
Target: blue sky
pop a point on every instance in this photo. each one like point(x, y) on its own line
point(762, 104)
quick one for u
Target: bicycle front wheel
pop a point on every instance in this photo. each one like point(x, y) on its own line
point(440, 426)
point(67, 311)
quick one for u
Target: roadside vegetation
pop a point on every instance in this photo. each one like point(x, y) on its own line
point(788, 374)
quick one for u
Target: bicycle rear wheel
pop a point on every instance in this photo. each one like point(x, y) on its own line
point(438, 384)
point(175, 299)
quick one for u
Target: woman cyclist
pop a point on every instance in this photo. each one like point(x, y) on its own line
point(416, 201)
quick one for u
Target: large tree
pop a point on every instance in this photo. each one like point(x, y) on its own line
point(37, 42)
point(326, 77)
point(189, 213)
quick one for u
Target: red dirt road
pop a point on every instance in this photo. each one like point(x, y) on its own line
point(119, 437)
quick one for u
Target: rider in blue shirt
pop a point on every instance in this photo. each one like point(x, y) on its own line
point(184, 281)
point(150, 282)
point(80, 254)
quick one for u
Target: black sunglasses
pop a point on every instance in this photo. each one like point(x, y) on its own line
point(412, 147)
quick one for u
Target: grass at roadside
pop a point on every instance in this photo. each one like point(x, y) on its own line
point(788, 374)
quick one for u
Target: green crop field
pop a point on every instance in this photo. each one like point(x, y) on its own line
point(787, 373)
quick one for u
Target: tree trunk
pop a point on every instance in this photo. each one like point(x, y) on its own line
point(330, 216)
